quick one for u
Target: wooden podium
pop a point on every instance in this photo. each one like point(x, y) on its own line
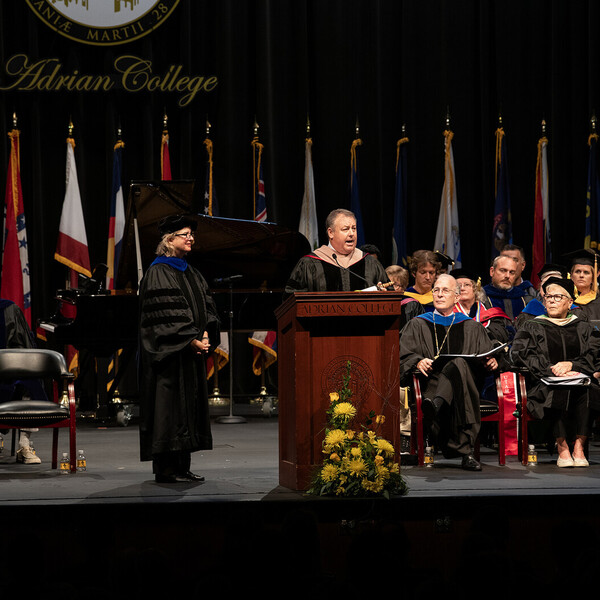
point(318, 333)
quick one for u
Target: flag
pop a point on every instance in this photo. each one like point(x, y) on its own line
point(502, 228)
point(220, 356)
point(265, 347)
point(210, 198)
point(15, 261)
point(592, 208)
point(72, 246)
point(165, 160)
point(308, 214)
point(447, 238)
point(354, 193)
point(260, 203)
point(116, 225)
point(399, 251)
point(541, 221)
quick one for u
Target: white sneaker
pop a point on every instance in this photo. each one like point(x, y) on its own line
point(27, 456)
point(565, 462)
point(580, 462)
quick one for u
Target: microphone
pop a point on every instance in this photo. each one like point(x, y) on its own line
point(334, 256)
point(230, 279)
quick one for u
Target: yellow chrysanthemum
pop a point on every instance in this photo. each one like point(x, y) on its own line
point(345, 410)
point(335, 457)
point(329, 473)
point(357, 467)
point(355, 451)
point(335, 437)
point(380, 419)
point(383, 446)
point(378, 459)
point(334, 397)
point(350, 434)
point(372, 435)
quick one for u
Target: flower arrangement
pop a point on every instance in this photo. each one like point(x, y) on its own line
point(356, 462)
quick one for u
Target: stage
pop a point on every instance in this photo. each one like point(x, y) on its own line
point(240, 526)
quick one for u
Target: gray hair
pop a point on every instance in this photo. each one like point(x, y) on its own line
point(456, 286)
point(500, 257)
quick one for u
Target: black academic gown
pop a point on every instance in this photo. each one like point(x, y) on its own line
point(175, 308)
point(458, 381)
point(313, 274)
point(539, 344)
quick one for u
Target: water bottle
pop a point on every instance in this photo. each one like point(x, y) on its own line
point(1, 444)
point(65, 465)
point(81, 461)
point(428, 456)
point(531, 456)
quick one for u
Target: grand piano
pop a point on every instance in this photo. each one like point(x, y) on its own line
point(245, 263)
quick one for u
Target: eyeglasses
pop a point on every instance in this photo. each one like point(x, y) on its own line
point(465, 285)
point(555, 297)
point(187, 236)
point(443, 291)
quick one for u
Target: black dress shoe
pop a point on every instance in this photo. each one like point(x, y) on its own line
point(192, 476)
point(429, 409)
point(470, 464)
point(171, 479)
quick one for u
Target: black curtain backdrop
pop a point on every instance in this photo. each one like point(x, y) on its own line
point(387, 63)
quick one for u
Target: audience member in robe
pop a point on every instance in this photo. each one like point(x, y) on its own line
point(424, 267)
point(584, 273)
point(446, 262)
point(452, 386)
point(339, 266)
point(470, 303)
point(15, 333)
point(372, 249)
point(398, 276)
point(559, 344)
point(536, 307)
point(518, 254)
point(501, 291)
point(178, 319)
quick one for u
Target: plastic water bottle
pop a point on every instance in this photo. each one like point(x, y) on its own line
point(428, 458)
point(65, 465)
point(81, 461)
point(531, 456)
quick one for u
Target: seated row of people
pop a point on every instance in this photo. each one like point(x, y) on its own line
point(447, 311)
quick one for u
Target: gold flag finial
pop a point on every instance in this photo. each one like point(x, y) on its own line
point(165, 119)
point(543, 126)
point(208, 126)
point(593, 123)
point(307, 126)
point(448, 117)
point(14, 120)
point(70, 128)
point(357, 129)
point(255, 128)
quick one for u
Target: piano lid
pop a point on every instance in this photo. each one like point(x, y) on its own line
point(263, 253)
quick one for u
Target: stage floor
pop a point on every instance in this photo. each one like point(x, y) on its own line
point(119, 534)
point(243, 467)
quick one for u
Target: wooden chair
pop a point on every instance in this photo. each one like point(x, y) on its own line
point(490, 412)
point(34, 364)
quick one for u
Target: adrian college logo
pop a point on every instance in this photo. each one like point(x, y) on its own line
point(103, 22)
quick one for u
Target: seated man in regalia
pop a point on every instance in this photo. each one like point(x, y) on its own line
point(452, 385)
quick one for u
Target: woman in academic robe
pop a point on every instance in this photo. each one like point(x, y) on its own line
point(556, 348)
point(178, 320)
point(425, 267)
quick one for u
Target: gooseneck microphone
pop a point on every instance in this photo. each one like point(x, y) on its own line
point(334, 256)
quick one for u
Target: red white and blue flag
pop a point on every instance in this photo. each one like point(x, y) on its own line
point(15, 262)
point(265, 350)
point(116, 224)
point(72, 246)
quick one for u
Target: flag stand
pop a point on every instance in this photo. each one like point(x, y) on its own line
point(231, 418)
